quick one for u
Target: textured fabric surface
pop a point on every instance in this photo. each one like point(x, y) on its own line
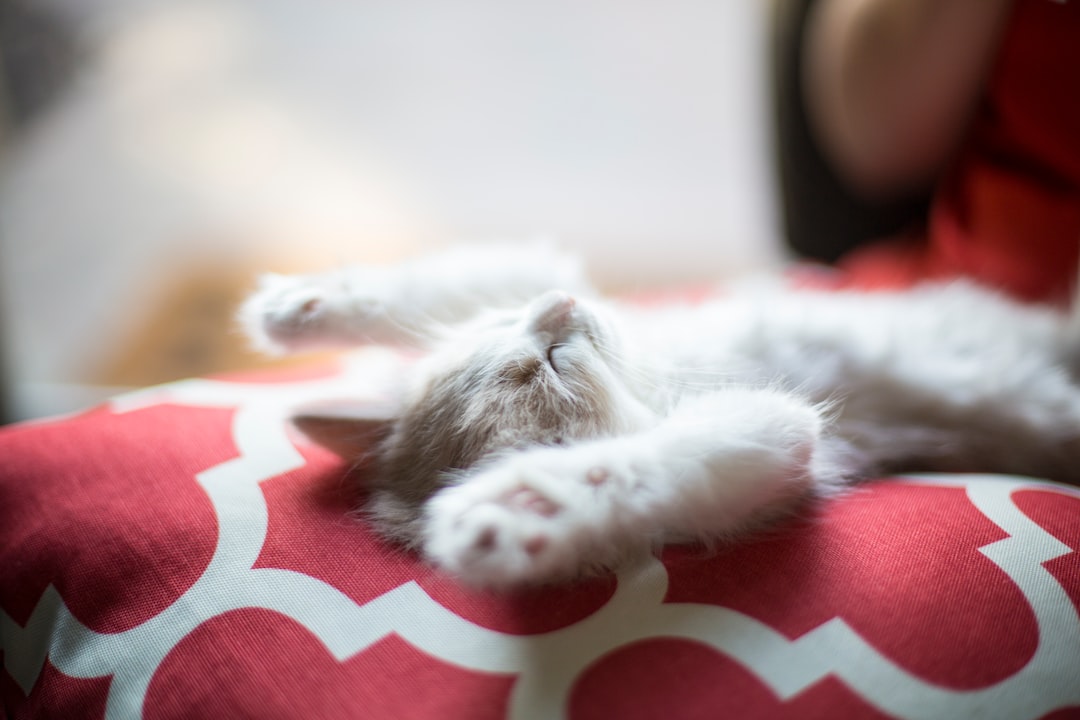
point(181, 553)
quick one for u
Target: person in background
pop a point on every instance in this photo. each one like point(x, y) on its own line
point(978, 100)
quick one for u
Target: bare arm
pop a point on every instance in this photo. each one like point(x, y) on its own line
point(891, 84)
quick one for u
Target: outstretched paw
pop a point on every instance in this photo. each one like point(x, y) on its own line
point(304, 311)
point(518, 522)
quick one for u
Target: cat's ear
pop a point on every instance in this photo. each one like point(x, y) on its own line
point(350, 429)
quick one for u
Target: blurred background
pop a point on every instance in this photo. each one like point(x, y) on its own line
point(156, 155)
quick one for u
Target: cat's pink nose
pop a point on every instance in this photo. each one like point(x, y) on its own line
point(552, 312)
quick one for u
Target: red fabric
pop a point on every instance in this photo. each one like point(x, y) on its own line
point(205, 566)
point(55, 696)
point(698, 684)
point(1059, 516)
point(836, 563)
point(1008, 213)
point(117, 508)
point(286, 673)
point(306, 508)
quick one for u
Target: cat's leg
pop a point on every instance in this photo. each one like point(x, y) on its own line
point(1016, 418)
point(1006, 406)
point(719, 464)
point(399, 304)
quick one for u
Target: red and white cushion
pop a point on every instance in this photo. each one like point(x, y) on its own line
point(182, 553)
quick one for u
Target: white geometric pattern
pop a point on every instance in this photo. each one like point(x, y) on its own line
point(547, 664)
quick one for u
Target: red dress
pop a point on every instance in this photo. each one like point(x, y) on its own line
point(1008, 211)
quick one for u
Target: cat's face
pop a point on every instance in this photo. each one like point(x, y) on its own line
point(549, 373)
point(545, 374)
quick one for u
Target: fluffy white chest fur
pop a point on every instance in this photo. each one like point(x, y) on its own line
point(548, 432)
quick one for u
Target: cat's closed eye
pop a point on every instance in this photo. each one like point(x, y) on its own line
point(550, 355)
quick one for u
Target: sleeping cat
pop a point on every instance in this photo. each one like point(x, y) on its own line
point(547, 432)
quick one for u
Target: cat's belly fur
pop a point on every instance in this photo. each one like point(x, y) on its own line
point(933, 379)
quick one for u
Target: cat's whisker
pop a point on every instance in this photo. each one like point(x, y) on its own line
point(660, 376)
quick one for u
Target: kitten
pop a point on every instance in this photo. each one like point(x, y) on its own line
point(548, 432)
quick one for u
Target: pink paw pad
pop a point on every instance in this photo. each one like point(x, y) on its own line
point(532, 501)
point(597, 476)
point(535, 545)
point(485, 540)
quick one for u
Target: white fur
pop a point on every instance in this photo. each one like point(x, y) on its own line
point(714, 466)
point(710, 419)
point(395, 303)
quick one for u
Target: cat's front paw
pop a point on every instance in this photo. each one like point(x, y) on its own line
point(288, 313)
point(520, 522)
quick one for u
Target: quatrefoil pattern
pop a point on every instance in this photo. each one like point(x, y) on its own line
point(180, 552)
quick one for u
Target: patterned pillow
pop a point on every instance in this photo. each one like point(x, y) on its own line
point(182, 553)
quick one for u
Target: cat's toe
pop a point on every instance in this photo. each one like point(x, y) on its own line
point(526, 521)
point(488, 546)
point(530, 500)
point(506, 533)
point(293, 309)
point(282, 311)
point(307, 312)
